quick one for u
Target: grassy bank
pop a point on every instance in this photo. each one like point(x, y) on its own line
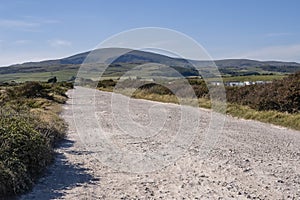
point(289, 120)
point(235, 110)
point(274, 117)
point(30, 127)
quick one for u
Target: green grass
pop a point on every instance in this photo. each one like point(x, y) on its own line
point(63, 75)
point(250, 78)
point(273, 117)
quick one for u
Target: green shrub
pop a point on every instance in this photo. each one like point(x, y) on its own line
point(24, 152)
point(153, 88)
point(281, 95)
point(107, 83)
point(32, 90)
point(29, 129)
point(49, 125)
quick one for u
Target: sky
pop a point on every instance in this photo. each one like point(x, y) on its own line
point(32, 30)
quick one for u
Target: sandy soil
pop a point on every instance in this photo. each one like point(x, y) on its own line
point(249, 159)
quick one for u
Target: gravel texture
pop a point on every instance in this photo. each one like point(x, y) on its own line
point(248, 159)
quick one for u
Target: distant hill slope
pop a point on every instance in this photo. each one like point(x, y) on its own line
point(230, 67)
point(257, 66)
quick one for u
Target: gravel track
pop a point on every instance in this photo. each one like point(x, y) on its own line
point(250, 160)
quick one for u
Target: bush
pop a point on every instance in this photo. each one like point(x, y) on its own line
point(24, 152)
point(49, 125)
point(32, 90)
point(281, 95)
point(153, 88)
point(107, 83)
point(29, 129)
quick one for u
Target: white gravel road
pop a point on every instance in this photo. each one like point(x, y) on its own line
point(249, 160)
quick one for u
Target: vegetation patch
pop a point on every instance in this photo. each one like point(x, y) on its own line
point(273, 117)
point(280, 95)
point(29, 129)
point(277, 103)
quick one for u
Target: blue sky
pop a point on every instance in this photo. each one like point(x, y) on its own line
point(32, 30)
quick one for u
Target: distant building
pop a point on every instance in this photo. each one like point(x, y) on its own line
point(216, 83)
point(235, 83)
point(232, 84)
point(248, 82)
point(238, 83)
point(122, 78)
point(259, 82)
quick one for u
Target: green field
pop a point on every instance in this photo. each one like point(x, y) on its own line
point(250, 78)
point(63, 75)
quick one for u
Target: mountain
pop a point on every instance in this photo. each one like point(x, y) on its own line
point(122, 60)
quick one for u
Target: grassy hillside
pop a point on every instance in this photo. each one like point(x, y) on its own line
point(66, 68)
